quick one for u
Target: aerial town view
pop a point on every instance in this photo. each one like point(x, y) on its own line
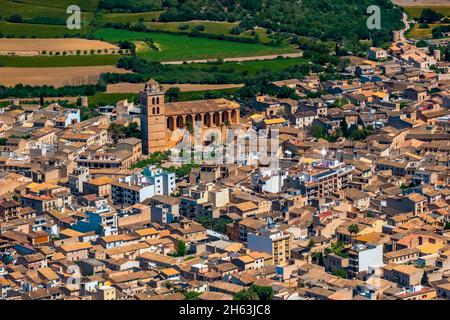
point(231, 150)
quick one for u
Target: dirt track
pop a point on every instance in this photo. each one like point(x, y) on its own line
point(57, 77)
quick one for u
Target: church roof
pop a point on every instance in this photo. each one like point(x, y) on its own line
point(200, 106)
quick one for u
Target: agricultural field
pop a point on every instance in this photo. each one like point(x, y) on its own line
point(35, 45)
point(56, 77)
point(180, 47)
point(418, 33)
point(40, 8)
point(27, 10)
point(103, 99)
point(251, 67)
point(415, 12)
point(129, 17)
point(59, 61)
point(32, 9)
point(211, 27)
point(137, 87)
point(85, 5)
point(28, 30)
point(420, 3)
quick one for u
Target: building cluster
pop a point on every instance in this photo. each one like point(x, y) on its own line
point(356, 205)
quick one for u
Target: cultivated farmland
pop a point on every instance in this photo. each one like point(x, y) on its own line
point(129, 17)
point(56, 77)
point(180, 47)
point(415, 12)
point(38, 45)
point(29, 30)
point(59, 61)
point(418, 33)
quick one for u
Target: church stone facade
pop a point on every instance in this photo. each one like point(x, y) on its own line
point(159, 119)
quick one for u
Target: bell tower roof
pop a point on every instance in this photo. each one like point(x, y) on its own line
point(152, 87)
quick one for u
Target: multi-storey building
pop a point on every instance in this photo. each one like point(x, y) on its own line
point(138, 187)
point(324, 178)
point(102, 220)
point(273, 242)
point(361, 257)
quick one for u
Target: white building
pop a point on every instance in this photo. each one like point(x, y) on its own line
point(269, 180)
point(365, 256)
point(138, 187)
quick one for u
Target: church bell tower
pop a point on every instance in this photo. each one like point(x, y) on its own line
point(153, 119)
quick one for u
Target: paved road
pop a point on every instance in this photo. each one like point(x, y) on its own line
point(240, 59)
point(403, 31)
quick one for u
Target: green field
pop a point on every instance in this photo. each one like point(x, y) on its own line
point(60, 61)
point(25, 30)
point(251, 67)
point(103, 99)
point(129, 17)
point(85, 5)
point(29, 9)
point(211, 27)
point(180, 47)
point(415, 12)
point(418, 33)
point(200, 95)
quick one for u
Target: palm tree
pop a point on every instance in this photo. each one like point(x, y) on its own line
point(353, 229)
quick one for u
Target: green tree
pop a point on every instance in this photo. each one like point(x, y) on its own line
point(173, 94)
point(341, 273)
point(191, 295)
point(181, 249)
point(353, 229)
point(424, 279)
point(246, 295)
point(429, 16)
point(263, 292)
point(15, 18)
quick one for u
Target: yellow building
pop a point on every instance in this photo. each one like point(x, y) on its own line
point(274, 242)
